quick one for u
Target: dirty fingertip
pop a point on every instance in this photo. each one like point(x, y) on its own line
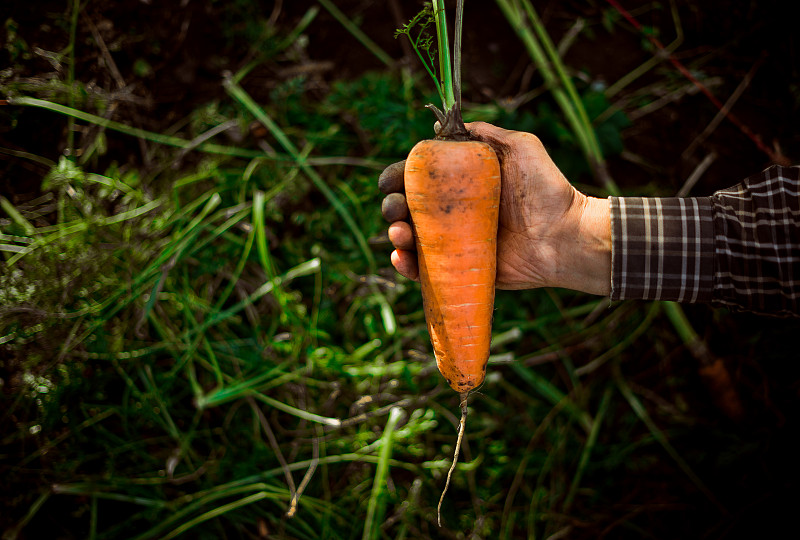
point(391, 179)
point(394, 207)
point(405, 262)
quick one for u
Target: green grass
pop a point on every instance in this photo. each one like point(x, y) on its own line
point(201, 335)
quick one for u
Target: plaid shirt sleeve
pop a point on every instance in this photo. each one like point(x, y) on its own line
point(739, 248)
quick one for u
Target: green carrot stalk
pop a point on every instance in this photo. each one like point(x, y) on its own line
point(448, 75)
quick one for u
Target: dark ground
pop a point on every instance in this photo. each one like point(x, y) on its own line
point(188, 48)
point(187, 51)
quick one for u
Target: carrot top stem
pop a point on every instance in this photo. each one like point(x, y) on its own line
point(445, 68)
point(451, 125)
point(462, 426)
point(448, 75)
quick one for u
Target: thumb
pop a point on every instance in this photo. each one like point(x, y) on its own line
point(490, 134)
point(510, 145)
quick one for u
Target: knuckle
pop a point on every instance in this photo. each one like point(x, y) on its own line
point(524, 138)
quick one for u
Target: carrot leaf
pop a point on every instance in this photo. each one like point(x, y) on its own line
point(421, 36)
point(447, 77)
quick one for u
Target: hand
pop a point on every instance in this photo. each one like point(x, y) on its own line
point(549, 234)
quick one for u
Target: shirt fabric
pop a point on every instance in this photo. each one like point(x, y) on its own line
point(738, 248)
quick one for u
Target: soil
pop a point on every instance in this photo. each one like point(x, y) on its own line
point(725, 42)
point(188, 50)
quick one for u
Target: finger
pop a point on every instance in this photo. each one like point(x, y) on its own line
point(401, 236)
point(391, 179)
point(394, 207)
point(405, 262)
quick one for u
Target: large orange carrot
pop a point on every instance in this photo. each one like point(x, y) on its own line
point(453, 194)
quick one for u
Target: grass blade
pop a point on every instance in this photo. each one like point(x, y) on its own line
point(167, 140)
point(377, 505)
point(553, 394)
point(16, 217)
point(597, 422)
point(13, 532)
point(357, 33)
point(216, 512)
point(299, 413)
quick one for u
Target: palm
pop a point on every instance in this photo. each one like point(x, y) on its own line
point(535, 200)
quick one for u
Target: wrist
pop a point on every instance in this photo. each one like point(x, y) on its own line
point(585, 250)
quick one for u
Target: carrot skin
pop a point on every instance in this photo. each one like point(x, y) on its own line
point(453, 194)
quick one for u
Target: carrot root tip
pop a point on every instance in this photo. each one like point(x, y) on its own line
point(462, 425)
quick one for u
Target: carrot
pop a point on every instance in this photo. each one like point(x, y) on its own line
point(453, 194)
point(452, 186)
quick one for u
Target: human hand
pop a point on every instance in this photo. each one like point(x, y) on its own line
point(549, 234)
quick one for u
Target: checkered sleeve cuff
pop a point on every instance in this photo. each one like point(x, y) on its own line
point(757, 226)
point(662, 249)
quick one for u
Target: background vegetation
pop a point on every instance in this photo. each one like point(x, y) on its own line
point(201, 334)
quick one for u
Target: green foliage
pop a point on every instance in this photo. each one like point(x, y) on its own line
point(428, 24)
point(15, 46)
point(243, 20)
point(609, 130)
point(421, 33)
point(386, 117)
